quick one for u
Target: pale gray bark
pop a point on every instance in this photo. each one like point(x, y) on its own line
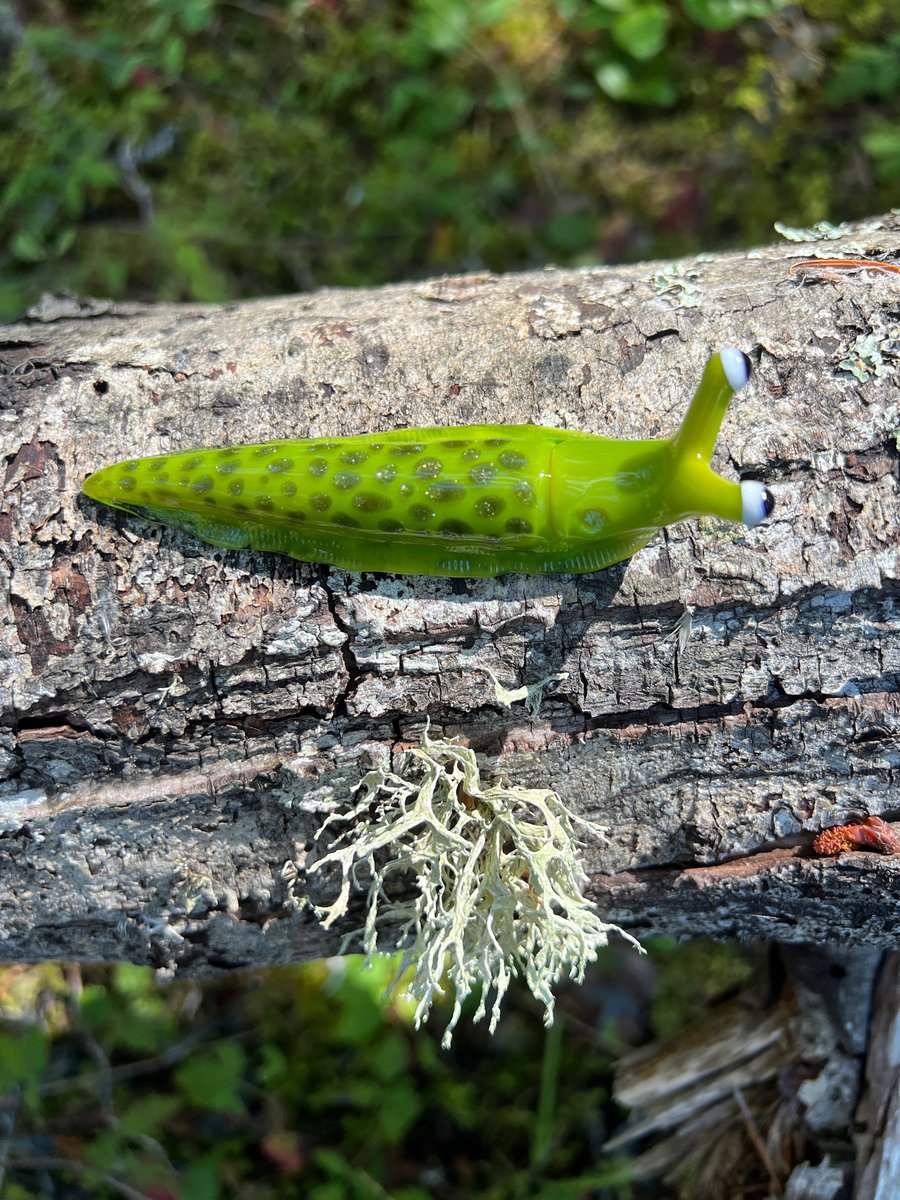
point(176, 720)
point(878, 1118)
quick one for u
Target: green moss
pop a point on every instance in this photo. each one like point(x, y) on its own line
point(692, 975)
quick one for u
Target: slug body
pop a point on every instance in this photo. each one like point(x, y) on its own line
point(469, 501)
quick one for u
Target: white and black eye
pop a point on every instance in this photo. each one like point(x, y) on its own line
point(736, 365)
point(757, 502)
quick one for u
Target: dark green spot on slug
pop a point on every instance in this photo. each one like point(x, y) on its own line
point(496, 441)
point(345, 520)
point(346, 480)
point(126, 483)
point(202, 485)
point(228, 468)
point(517, 525)
point(156, 465)
point(370, 502)
point(455, 443)
point(420, 513)
point(162, 477)
point(483, 474)
point(428, 468)
point(386, 474)
point(406, 489)
point(238, 507)
point(376, 445)
point(454, 528)
point(472, 454)
point(390, 526)
point(129, 466)
point(210, 500)
point(288, 488)
point(490, 506)
point(263, 503)
point(354, 457)
point(264, 451)
point(512, 460)
point(164, 494)
point(192, 463)
point(227, 452)
point(296, 515)
point(406, 448)
point(320, 502)
point(323, 446)
point(525, 493)
point(445, 491)
point(281, 464)
point(318, 466)
point(236, 487)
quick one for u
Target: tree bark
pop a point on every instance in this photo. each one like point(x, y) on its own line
point(177, 720)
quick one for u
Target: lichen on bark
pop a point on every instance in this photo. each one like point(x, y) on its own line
point(498, 881)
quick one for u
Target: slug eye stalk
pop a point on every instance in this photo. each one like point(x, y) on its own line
point(749, 502)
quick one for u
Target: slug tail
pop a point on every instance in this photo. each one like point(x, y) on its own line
point(106, 486)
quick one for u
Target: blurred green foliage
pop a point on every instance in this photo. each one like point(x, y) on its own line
point(208, 149)
point(691, 976)
point(298, 1082)
point(304, 1082)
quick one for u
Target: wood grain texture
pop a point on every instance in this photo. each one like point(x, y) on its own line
point(878, 1115)
point(177, 720)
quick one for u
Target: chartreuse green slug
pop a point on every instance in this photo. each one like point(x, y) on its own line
point(458, 501)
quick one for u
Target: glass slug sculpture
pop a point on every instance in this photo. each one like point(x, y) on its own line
point(464, 501)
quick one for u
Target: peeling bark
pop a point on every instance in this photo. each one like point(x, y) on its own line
point(177, 720)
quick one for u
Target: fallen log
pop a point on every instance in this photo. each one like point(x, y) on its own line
point(176, 720)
